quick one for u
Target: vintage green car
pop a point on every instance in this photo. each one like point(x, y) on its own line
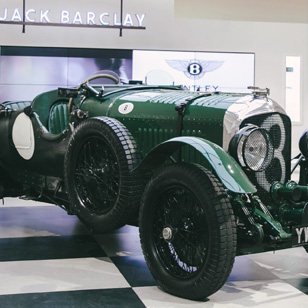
point(205, 176)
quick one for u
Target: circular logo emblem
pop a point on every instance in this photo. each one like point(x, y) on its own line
point(126, 108)
point(194, 69)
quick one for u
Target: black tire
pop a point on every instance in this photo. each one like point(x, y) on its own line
point(100, 156)
point(187, 231)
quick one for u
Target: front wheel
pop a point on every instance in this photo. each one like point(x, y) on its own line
point(103, 192)
point(187, 231)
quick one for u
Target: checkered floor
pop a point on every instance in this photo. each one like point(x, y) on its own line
point(49, 259)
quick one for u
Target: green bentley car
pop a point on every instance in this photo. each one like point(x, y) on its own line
point(205, 176)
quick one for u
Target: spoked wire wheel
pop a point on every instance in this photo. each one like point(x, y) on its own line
point(103, 192)
point(180, 232)
point(187, 231)
point(97, 175)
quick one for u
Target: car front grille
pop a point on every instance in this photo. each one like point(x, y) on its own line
point(279, 128)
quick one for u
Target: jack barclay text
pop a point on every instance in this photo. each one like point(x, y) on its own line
point(88, 18)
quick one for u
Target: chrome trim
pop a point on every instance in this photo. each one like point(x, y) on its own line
point(245, 107)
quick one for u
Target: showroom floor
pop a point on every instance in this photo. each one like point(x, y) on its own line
point(49, 259)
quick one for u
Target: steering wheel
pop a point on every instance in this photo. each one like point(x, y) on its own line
point(86, 84)
point(104, 74)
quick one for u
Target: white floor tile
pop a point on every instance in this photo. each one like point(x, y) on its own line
point(246, 269)
point(288, 263)
point(265, 294)
point(9, 230)
point(59, 275)
point(153, 297)
point(16, 202)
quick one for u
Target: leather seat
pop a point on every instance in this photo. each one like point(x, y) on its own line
point(58, 118)
point(51, 114)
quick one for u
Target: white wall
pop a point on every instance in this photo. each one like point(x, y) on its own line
point(170, 25)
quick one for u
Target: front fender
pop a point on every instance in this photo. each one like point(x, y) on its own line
point(226, 168)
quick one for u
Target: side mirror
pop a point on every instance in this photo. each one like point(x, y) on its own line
point(303, 144)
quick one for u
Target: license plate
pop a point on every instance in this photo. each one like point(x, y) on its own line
point(300, 235)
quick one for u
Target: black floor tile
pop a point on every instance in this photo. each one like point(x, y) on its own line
point(108, 298)
point(134, 270)
point(50, 247)
point(32, 213)
point(45, 218)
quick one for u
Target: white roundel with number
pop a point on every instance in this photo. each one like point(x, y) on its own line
point(23, 136)
point(126, 108)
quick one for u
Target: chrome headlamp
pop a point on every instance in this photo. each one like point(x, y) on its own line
point(252, 147)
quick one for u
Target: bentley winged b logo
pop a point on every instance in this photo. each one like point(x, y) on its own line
point(194, 69)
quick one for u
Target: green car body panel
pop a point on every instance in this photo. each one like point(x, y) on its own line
point(228, 171)
point(153, 120)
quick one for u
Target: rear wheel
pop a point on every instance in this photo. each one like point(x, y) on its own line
point(187, 231)
point(103, 193)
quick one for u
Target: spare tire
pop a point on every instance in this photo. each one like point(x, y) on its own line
point(104, 194)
